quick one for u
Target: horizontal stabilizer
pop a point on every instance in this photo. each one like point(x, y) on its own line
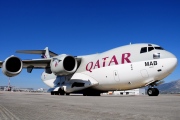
point(1, 63)
point(52, 54)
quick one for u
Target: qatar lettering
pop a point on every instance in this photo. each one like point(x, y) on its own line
point(112, 61)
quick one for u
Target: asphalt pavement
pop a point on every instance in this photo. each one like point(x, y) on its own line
point(43, 106)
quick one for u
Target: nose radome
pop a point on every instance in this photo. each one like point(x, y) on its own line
point(168, 54)
point(173, 63)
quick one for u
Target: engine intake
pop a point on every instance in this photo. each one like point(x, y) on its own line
point(63, 65)
point(69, 63)
point(12, 66)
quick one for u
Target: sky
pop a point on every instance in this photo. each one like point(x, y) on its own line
point(80, 27)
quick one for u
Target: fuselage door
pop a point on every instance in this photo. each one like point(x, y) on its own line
point(116, 75)
point(144, 73)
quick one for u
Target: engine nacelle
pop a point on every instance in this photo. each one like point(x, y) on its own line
point(12, 66)
point(63, 65)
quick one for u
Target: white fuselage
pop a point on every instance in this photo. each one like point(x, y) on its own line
point(121, 68)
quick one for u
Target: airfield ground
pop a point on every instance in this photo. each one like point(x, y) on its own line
point(43, 106)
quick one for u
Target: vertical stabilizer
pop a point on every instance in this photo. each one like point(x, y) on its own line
point(46, 54)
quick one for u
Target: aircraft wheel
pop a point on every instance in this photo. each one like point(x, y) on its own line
point(91, 94)
point(96, 94)
point(153, 92)
point(56, 93)
point(150, 91)
point(61, 92)
point(52, 93)
point(156, 92)
point(67, 93)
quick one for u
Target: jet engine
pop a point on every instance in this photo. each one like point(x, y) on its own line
point(63, 65)
point(12, 66)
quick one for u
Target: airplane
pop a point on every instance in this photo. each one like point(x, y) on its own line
point(122, 68)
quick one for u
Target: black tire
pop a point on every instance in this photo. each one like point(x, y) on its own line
point(97, 94)
point(153, 92)
point(56, 93)
point(92, 94)
point(156, 92)
point(67, 93)
point(150, 91)
point(61, 92)
point(52, 93)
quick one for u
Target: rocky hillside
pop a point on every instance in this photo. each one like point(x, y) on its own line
point(171, 87)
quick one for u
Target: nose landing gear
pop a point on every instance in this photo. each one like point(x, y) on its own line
point(153, 92)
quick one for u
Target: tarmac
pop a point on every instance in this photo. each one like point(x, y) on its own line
point(43, 106)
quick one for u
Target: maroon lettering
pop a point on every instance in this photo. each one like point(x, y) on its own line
point(113, 60)
point(89, 68)
point(104, 62)
point(125, 57)
point(97, 64)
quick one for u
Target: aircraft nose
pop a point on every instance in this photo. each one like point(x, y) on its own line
point(169, 63)
point(173, 61)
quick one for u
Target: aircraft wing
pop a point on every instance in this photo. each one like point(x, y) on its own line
point(36, 63)
point(39, 63)
point(13, 65)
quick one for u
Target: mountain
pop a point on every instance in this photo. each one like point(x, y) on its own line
point(171, 87)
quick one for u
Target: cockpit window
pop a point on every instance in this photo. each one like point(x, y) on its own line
point(158, 48)
point(143, 50)
point(150, 48)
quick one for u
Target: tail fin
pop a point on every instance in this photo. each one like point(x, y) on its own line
point(46, 53)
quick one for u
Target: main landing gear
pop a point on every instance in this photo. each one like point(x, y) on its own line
point(91, 94)
point(59, 92)
point(153, 92)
